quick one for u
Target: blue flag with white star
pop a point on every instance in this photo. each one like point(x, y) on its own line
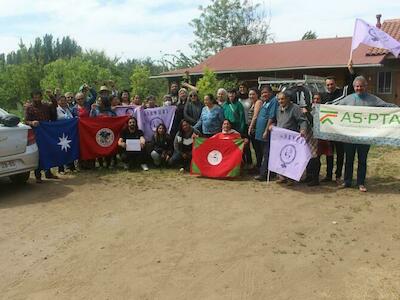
point(58, 143)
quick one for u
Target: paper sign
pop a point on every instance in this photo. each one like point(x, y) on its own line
point(133, 145)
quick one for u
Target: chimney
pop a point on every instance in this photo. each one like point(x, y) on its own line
point(378, 21)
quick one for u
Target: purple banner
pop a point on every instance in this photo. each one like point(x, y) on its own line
point(128, 110)
point(289, 153)
point(374, 37)
point(150, 118)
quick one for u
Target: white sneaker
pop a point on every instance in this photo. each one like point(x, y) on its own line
point(144, 167)
point(181, 170)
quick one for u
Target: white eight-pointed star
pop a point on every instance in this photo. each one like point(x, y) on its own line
point(64, 143)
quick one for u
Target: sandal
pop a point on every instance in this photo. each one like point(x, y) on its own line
point(362, 188)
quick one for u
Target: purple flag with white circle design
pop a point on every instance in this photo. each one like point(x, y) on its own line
point(289, 153)
point(367, 34)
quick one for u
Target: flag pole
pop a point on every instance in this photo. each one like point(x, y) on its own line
point(269, 172)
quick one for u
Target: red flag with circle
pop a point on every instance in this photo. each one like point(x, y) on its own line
point(98, 137)
point(218, 157)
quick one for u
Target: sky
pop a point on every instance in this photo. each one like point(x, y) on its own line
point(151, 28)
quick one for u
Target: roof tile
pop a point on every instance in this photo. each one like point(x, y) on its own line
point(391, 27)
point(318, 53)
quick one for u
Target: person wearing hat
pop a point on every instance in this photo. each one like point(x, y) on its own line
point(104, 91)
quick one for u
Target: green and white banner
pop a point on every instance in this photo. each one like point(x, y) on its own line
point(357, 124)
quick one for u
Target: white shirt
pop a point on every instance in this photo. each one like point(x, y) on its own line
point(63, 113)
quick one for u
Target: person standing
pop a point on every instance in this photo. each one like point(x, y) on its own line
point(222, 96)
point(254, 116)
point(359, 98)
point(64, 113)
point(193, 108)
point(180, 106)
point(173, 91)
point(234, 112)
point(211, 117)
point(267, 117)
point(332, 94)
point(35, 112)
point(290, 116)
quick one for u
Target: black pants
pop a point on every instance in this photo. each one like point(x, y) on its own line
point(264, 164)
point(337, 147)
point(258, 147)
point(362, 155)
point(247, 159)
point(313, 169)
point(132, 158)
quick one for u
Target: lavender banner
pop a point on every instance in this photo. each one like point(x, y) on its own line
point(150, 118)
point(289, 153)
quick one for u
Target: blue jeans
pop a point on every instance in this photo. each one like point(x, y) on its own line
point(362, 154)
point(177, 159)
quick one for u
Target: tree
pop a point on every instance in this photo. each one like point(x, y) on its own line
point(144, 86)
point(309, 35)
point(70, 74)
point(16, 84)
point(209, 83)
point(179, 60)
point(226, 23)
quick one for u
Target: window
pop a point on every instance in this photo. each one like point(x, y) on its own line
point(384, 82)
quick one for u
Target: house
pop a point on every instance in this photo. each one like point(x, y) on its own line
point(319, 57)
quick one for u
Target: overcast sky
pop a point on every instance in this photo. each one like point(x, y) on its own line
point(140, 28)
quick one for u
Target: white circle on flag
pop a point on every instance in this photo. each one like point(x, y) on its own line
point(214, 157)
point(105, 137)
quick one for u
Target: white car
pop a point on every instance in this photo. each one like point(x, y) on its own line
point(19, 153)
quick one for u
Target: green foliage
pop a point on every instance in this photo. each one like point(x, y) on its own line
point(60, 63)
point(226, 23)
point(309, 35)
point(70, 74)
point(143, 86)
point(209, 83)
point(44, 50)
point(17, 82)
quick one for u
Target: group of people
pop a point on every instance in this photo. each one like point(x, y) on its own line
point(248, 113)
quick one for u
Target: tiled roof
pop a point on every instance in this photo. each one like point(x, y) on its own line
point(303, 54)
point(391, 27)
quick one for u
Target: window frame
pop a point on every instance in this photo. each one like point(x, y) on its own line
point(382, 91)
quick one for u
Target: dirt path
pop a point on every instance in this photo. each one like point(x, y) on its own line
point(127, 235)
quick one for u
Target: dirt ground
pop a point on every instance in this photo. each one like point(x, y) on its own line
point(164, 235)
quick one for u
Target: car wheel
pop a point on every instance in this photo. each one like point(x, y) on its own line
point(20, 178)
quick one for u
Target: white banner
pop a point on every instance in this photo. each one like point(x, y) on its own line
point(358, 124)
point(289, 153)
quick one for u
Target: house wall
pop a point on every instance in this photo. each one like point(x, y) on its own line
point(371, 74)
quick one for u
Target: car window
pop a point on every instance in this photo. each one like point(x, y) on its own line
point(2, 112)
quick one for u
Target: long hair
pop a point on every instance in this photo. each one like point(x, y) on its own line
point(157, 136)
point(136, 124)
